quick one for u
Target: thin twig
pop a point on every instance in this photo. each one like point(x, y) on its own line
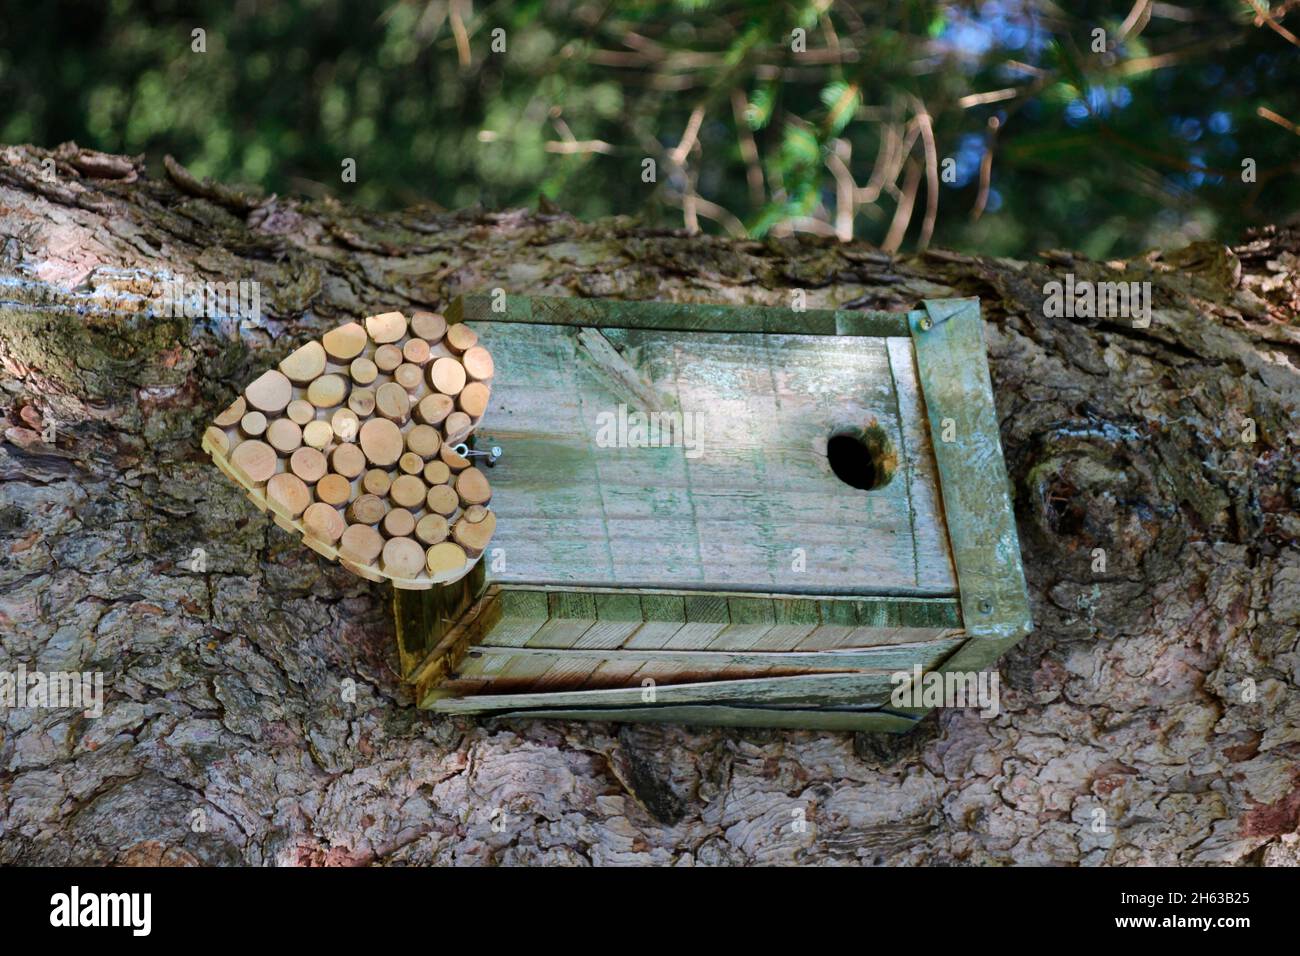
point(458, 30)
point(993, 96)
point(711, 210)
point(1263, 17)
point(931, 174)
point(1137, 19)
point(903, 212)
point(986, 171)
point(748, 149)
point(678, 153)
point(837, 161)
point(1281, 121)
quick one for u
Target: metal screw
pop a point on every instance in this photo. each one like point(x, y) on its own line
point(985, 606)
point(926, 323)
point(466, 452)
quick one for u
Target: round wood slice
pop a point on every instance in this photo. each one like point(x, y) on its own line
point(398, 523)
point(402, 558)
point(408, 376)
point(457, 426)
point(334, 489)
point(270, 392)
point(300, 411)
point(345, 424)
point(309, 465)
point(382, 442)
point(362, 401)
point(376, 482)
point(386, 327)
point(423, 441)
point(442, 500)
point(233, 413)
point(429, 325)
point(445, 557)
point(447, 375)
point(253, 424)
point(362, 370)
point(328, 391)
point(477, 362)
point(407, 491)
point(416, 351)
point(305, 364)
point(434, 408)
point(476, 513)
point(410, 463)
point(367, 509)
point(461, 337)
point(285, 436)
point(317, 434)
point(436, 473)
point(361, 543)
point(217, 439)
point(453, 461)
point(289, 492)
point(388, 357)
point(254, 459)
point(345, 343)
point(472, 487)
point(473, 399)
point(348, 460)
point(431, 529)
point(392, 402)
point(474, 536)
point(323, 522)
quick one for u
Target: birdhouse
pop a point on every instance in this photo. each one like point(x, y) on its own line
point(720, 515)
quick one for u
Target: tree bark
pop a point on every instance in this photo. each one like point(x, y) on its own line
point(1152, 717)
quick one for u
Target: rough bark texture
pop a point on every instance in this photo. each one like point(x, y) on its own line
point(225, 687)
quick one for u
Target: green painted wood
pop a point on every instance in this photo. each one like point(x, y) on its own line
point(720, 534)
point(727, 608)
point(897, 656)
point(951, 358)
point(521, 614)
point(717, 715)
point(729, 512)
point(672, 316)
point(863, 689)
point(918, 467)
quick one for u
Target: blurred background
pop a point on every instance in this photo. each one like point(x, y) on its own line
point(1004, 127)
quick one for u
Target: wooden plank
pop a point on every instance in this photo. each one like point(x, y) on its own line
point(934, 566)
point(422, 618)
point(859, 689)
point(672, 316)
point(751, 619)
point(953, 368)
point(897, 656)
point(436, 677)
point(717, 715)
point(570, 615)
point(572, 511)
point(516, 616)
point(617, 618)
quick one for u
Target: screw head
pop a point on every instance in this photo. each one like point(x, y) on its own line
point(985, 606)
point(926, 323)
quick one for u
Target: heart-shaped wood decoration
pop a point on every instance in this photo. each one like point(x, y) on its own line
point(350, 443)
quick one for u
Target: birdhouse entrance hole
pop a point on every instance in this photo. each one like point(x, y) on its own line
point(862, 457)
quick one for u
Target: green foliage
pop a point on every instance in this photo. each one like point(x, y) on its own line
point(1141, 145)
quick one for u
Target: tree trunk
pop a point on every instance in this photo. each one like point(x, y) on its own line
point(1152, 717)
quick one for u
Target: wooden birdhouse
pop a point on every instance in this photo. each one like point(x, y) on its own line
point(720, 515)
